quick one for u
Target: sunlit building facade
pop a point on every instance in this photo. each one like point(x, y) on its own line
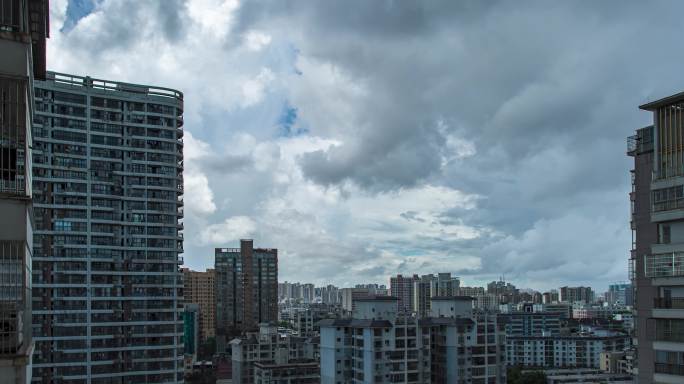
point(107, 290)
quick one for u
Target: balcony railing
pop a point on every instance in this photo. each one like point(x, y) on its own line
point(669, 335)
point(668, 303)
point(664, 265)
point(15, 319)
point(12, 15)
point(670, 369)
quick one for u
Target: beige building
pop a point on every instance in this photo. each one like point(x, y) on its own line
point(200, 288)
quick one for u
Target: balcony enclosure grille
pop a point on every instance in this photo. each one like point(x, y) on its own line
point(15, 315)
point(664, 265)
point(12, 16)
point(13, 137)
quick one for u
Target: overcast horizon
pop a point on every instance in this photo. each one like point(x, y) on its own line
point(369, 138)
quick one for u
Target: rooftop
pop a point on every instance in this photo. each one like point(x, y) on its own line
point(452, 298)
point(672, 99)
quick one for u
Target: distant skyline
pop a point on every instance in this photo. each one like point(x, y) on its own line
point(365, 139)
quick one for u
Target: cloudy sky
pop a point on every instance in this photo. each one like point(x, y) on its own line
point(368, 138)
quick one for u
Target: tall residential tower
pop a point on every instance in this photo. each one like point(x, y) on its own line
point(657, 259)
point(23, 29)
point(246, 290)
point(200, 288)
point(108, 186)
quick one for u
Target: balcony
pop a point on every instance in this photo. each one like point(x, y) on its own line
point(668, 303)
point(670, 369)
point(669, 335)
point(664, 265)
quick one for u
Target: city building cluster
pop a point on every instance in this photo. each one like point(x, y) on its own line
point(423, 328)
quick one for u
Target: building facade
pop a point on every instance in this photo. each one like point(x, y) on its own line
point(266, 356)
point(381, 344)
point(575, 294)
point(191, 330)
point(620, 294)
point(429, 286)
point(23, 30)
point(657, 258)
point(108, 186)
point(576, 351)
point(532, 324)
point(200, 288)
point(402, 287)
point(246, 290)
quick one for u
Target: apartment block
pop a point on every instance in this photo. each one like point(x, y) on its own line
point(402, 288)
point(306, 372)
point(351, 295)
point(657, 258)
point(108, 186)
point(23, 30)
point(576, 351)
point(200, 288)
point(266, 356)
point(429, 286)
point(620, 294)
point(246, 290)
point(380, 344)
point(532, 324)
point(575, 294)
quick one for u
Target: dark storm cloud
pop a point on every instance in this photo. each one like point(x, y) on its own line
point(524, 104)
point(546, 92)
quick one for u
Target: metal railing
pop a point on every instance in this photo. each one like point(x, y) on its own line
point(668, 303)
point(15, 313)
point(670, 369)
point(669, 335)
point(106, 85)
point(13, 15)
point(664, 265)
point(14, 135)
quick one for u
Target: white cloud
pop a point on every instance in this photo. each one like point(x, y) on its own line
point(230, 230)
point(254, 89)
point(256, 41)
point(214, 16)
point(439, 158)
point(198, 197)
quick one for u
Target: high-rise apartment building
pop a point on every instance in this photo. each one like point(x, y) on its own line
point(402, 287)
point(657, 259)
point(246, 290)
point(108, 186)
point(574, 294)
point(199, 288)
point(23, 29)
point(620, 294)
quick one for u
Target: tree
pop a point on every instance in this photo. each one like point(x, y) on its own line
point(206, 349)
point(517, 376)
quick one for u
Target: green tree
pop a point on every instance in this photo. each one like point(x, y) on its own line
point(517, 376)
point(206, 349)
